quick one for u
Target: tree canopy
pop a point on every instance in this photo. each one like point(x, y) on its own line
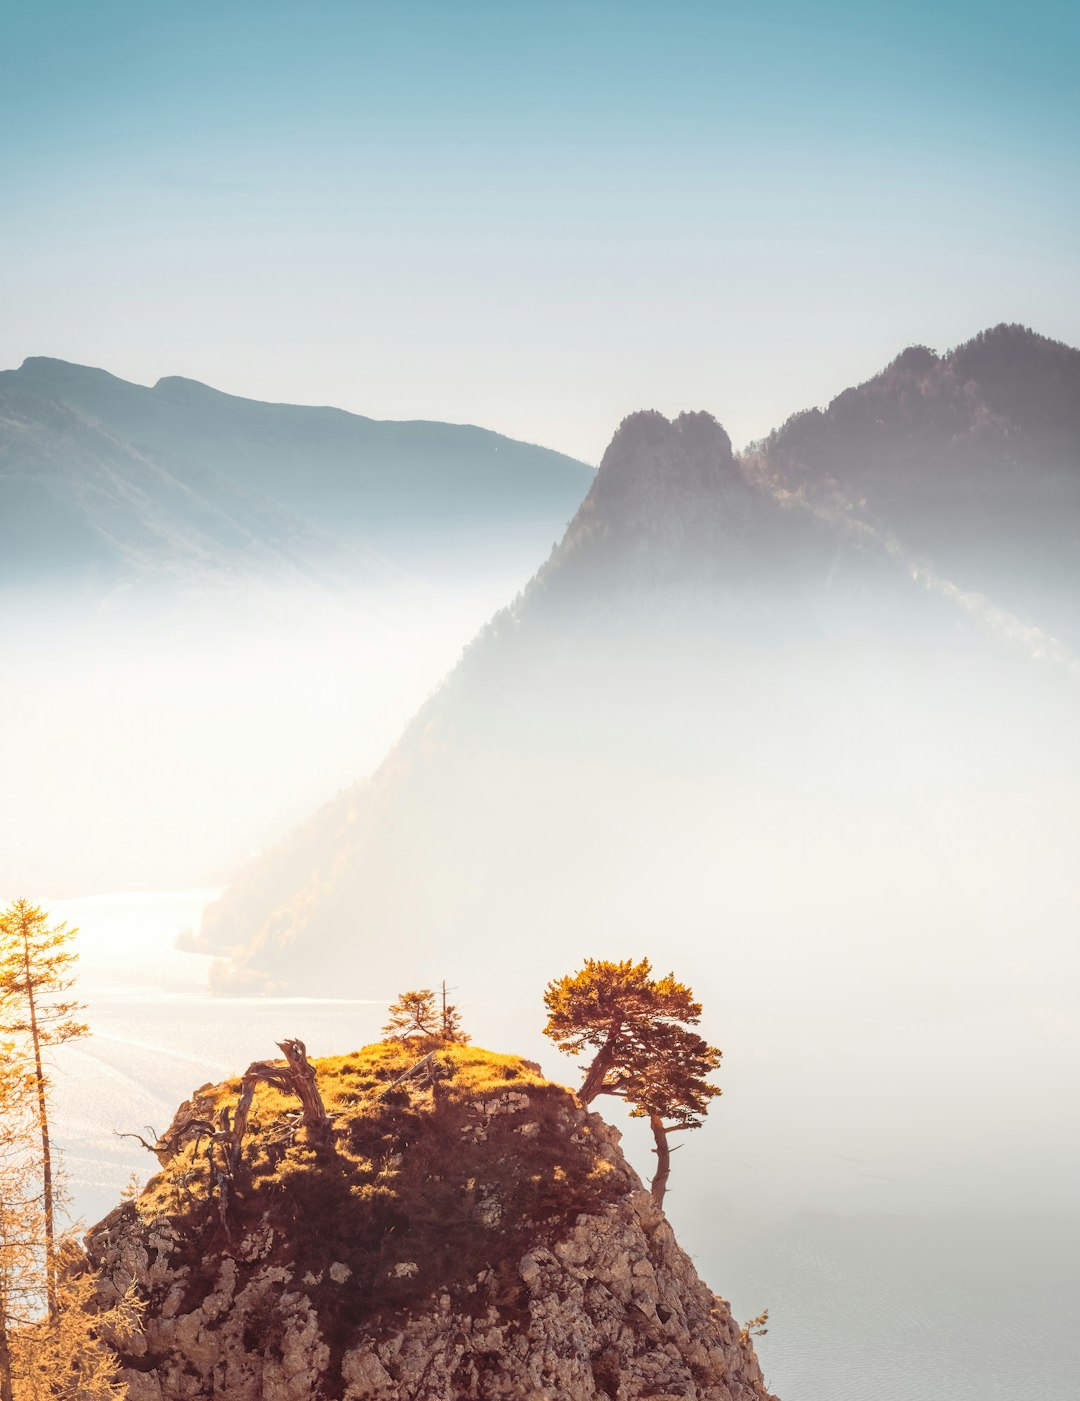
point(614, 1007)
point(646, 1053)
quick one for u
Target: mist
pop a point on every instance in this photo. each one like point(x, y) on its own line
point(862, 867)
point(825, 778)
point(155, 739)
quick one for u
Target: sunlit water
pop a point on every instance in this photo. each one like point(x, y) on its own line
point(157, 1036)
point(864, 1306)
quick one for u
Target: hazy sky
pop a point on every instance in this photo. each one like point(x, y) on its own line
point(535, 216)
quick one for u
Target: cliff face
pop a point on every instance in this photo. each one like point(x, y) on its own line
point(476, 1235)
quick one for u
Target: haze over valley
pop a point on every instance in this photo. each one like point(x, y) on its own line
point(709, 658)
point(798, 720)
point(250, 598)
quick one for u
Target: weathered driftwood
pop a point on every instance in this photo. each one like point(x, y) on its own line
point(225, 1139)
point(413, 1072)
point(166, 1146)
point(295, 1077)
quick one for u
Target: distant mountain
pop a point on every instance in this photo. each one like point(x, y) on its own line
point(674, 518)
point(731, 699)
point(102, 480)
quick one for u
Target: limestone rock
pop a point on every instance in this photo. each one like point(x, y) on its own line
point(496, 1268)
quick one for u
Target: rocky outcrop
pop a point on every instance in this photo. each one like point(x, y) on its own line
point(566, 1304)
point(671, 508)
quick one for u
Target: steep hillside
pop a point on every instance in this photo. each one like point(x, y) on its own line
point(469, 1233)
point(698, 661)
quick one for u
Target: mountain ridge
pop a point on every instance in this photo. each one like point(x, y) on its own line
point(202, 478)
point(969, 459)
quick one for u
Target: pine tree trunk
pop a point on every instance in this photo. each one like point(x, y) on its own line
point(594, 1078)
point(46, 1146)
point(663, 1159)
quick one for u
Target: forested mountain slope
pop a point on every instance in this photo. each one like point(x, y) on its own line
point(722, 704)
point(971, 460)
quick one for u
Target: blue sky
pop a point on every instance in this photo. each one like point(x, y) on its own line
point(536, 216)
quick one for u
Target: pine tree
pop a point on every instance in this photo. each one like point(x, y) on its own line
point(611, 1006)
point(36, 966)
point(418, 1016)
point(665, 1080)
point(645, 1052)
point(413, 1014)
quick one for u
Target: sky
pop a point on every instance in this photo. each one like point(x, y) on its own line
point(540, 216)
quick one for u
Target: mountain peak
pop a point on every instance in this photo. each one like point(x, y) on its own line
point(916, 359)
point(64, 373)
point(1009, 333)
point(183, 382)
point(670, 503)
point(692, 435)
point(653, 464)
point(1028, 378)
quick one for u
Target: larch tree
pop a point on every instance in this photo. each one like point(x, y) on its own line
point(36, 971)
point(55, 1342)
point(21, 1230)
point(74, 1356)
point(645, 1053)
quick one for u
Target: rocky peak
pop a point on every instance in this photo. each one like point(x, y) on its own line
point(649, 454)
point(467, 1233)
point(670, 506)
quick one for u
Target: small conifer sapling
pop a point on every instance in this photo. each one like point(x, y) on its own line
point(418, 1016)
